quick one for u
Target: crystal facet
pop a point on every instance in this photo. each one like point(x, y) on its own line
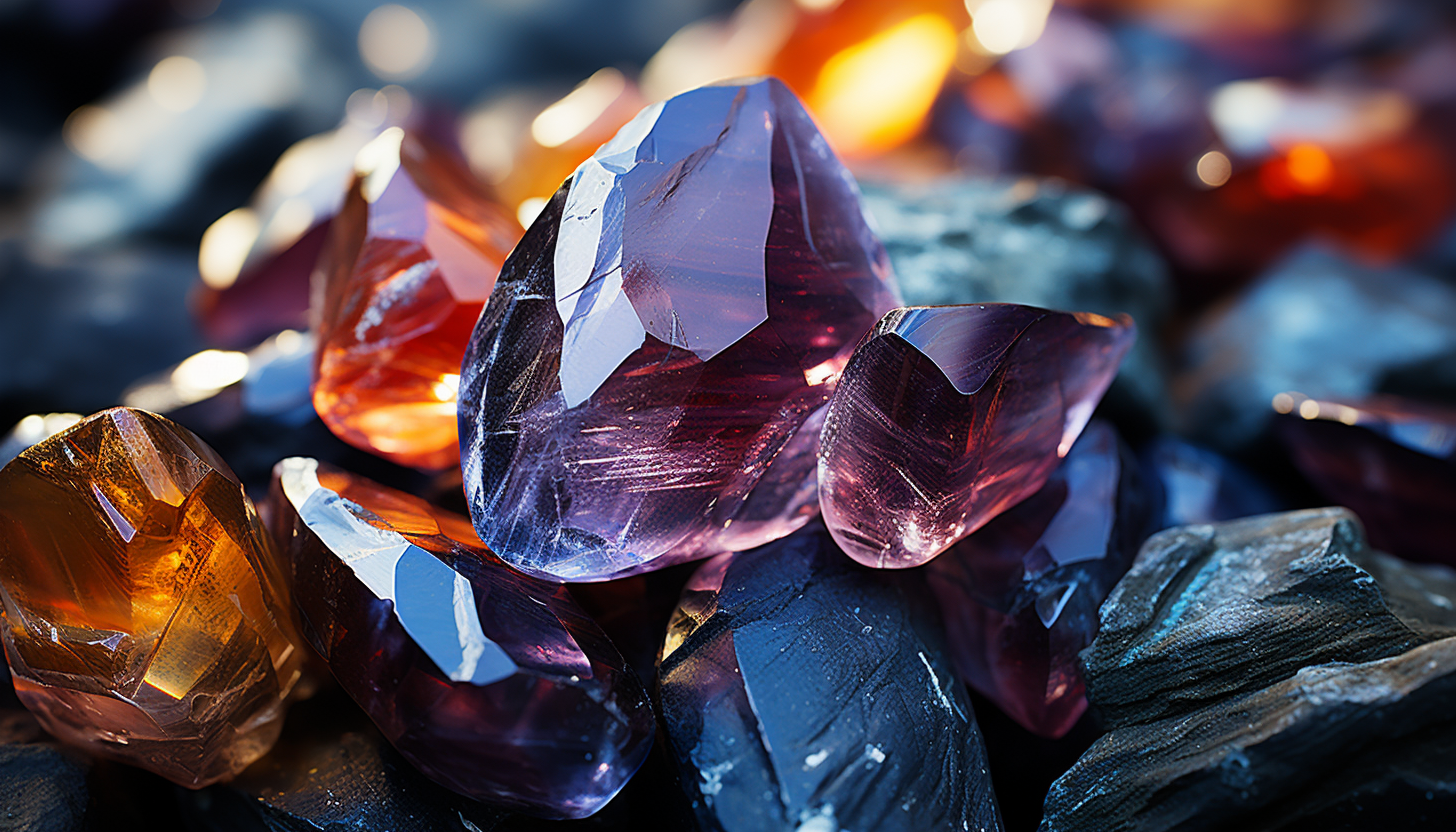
point(640, 390)
point(409, 262)
point(947, 416)
point(493, 683)
point(146, 616)
point(1020, 596)
point(801, 691)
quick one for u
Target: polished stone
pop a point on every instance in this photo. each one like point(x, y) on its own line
point(408, 265)
point(947, 416)
point(639, 391)
point(1392, 461)
point(801, 691)
point(148, 618)
point(1020, 596)
point(493, 683)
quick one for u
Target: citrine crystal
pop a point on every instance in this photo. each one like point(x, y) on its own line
point(946, 416)
point(146, 617)
point(642, 388)
point(409, 262)
point(491, 682)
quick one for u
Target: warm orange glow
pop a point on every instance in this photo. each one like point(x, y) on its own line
point(1310, 168)
point(876, 94)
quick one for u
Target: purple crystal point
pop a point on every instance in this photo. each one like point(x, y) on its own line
point(1020, 596)
point(493, 683)
point(640, 390)
point(947, 416)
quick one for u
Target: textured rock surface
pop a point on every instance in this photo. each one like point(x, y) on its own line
point(1020, 596)
point(947, 416)
point(1291, 331)
point(1207, 612)
point(493, 683)
point(637, 391)
point(42, 785)
point(148, 619)
point(1039, 242)
point(803, 691)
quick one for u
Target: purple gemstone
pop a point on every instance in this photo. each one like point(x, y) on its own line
point(1390, 460)
point(641, 389)
point(1020, 596)
point(948, 415)
point(493, 683)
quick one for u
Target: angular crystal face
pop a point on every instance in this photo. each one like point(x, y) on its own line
point(1020, 596)
point(947, 416)
point(803, 691)
point(409, 262)
point(641, 389)
point(493, 683)
point(146, 616)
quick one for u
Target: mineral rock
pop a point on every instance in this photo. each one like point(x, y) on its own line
point(803, 691)
point(1291, 331)
point(147, 617)
point(42, 785)
point(1020, 596)
point(645, 374)
point(410, 260)
point(1390, 460)
point(1209, 612)
point(1038, 242)
point(947, 416)
point(493, 683)
point(1196, 485)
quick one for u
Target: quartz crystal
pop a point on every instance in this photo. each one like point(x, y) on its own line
point(1020, 596)
point(947, 416)
point(641, 389)
point(1391, 460)
point(493, 683)
point(802, 691)
point(146, 616)
point(409, 262)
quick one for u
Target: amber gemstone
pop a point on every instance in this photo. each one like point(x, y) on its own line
point(146, 616)
point(407, 267)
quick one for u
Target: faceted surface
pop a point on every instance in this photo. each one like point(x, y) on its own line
point(1020, 596)
point(636, 394)
point(1207, 612)
point(409, 262)
point(1197, 485)
point(146, 617)
point(1391, 460)
point(803, 691)
point(493, 683)
point(947, 416)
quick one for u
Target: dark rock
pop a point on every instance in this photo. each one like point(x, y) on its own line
point(1197, 485)
point(1208, 612)
point(42, 784)
point(1039, 242)
point(804, 692)
point(1292, 330)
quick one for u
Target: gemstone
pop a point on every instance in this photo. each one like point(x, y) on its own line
point(1391, 460)
point(409, 262)
point(493, 683)
point(1215, 611)
point(640, 390)
point(1020, 596)
point(1197, 485)
point(148, 619)
point(947, 416)
point(803, 691)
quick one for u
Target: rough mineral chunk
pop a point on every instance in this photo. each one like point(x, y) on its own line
point(947, 416)
point(803, 691)
point(147, 618)
point(640, 391)
point(493, 683)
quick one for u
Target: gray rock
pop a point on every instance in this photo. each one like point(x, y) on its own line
point(1033, 241)
point(1208, 612)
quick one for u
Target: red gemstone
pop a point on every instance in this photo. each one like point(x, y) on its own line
point(946, 416)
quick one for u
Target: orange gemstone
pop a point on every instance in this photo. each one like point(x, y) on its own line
point(146, 617)
point(409, 262)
